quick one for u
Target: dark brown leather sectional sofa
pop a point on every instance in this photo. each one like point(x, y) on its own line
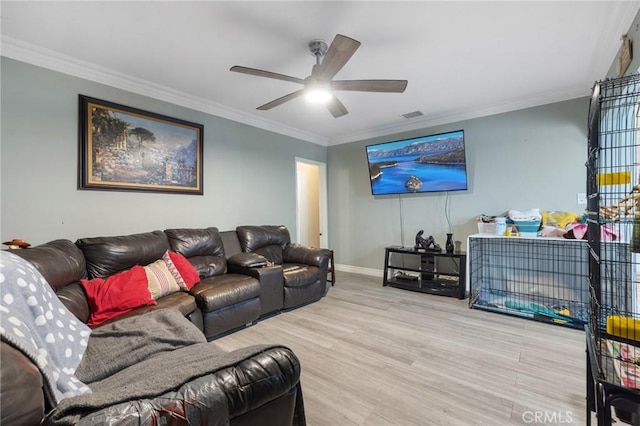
point(246, 274)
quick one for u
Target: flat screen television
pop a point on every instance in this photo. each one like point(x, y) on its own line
point(426, 164)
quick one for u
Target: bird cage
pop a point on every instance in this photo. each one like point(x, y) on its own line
point(613, 204)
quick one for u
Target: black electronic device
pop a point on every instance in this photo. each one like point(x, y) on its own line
point(406, 277)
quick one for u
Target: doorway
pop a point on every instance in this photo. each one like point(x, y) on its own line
point(311, 203)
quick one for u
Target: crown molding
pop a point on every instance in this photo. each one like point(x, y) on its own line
point(461, 115)
point(46, 58)
point(623, 17)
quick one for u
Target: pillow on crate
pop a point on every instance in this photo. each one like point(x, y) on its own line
point(182, 270)
point(117, 294)
point(160, 280)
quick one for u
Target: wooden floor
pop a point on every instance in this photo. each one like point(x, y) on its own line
point(374, 355)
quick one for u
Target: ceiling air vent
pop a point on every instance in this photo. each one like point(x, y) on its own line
point(413, 114)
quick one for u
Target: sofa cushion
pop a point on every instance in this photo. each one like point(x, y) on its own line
point(62, 264)
point(118, 294)
point(106, 256)
point(253, 237)
point(191, 242)
point(297, 253)
point(180, 301)
point(272, 253)
point(209, 266)
point(202, 247)
point(230, 242)
point(182, 270)
point(183, 302)
point(59, 261)
point(266, 240)
point(160, 281)
point(225, 290)
point(298, 275)
point(74, 298)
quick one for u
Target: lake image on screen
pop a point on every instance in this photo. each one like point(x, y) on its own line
point(434, 163)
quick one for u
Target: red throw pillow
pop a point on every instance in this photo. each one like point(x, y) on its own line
point(116, 295)
point(185, 268)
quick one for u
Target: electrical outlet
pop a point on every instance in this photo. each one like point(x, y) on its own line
point(582, 198)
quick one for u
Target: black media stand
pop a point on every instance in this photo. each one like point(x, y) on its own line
point(427, 271)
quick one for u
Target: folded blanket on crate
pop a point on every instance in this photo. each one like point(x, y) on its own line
point(527, 215)
point(35, 321)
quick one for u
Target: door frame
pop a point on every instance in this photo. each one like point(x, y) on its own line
point(322, 195)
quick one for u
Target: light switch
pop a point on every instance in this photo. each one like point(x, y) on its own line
point(582, 198)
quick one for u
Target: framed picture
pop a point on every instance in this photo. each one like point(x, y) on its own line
point(127, 149)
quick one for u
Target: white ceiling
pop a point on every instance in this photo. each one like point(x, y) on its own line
point(462, 59)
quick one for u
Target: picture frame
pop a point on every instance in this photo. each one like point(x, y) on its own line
point(128, 149)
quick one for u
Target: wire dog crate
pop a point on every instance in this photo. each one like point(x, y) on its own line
point(613, 187)
point(544, 279)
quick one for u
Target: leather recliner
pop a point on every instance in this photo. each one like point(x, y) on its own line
point(227, 300)
point(304, 269)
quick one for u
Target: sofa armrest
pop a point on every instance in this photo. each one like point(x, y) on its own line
point(74, 298)
point(271, 285)
point(259, 379)
point(258, 273)
point(248, 385)
point(21, 394)
point(297, 253)
point(247, 260)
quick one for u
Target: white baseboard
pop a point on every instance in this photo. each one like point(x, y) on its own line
point(359, 270)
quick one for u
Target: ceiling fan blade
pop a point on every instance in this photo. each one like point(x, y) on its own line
point(267, 74)
point(281, 100)
point(388, 86)
point(340, 51)
point(336, 108)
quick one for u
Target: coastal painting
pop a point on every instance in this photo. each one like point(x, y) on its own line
point(123, 148)
point(426, 164)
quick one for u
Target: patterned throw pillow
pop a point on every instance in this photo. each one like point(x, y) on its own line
point(182, 270)
point(160, 280)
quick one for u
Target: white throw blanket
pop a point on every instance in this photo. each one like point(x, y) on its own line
point(527, 215)
point(34, 320)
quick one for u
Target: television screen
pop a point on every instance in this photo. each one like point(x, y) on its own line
point(425, 164)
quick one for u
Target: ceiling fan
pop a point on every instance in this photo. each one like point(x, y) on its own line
point(329, 60)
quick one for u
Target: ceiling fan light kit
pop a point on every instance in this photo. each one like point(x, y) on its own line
point(317, 92)
point(318, 96)
point(318, 86)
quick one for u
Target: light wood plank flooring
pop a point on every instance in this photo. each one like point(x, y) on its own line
point(374, 355)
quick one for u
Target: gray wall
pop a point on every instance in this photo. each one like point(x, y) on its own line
point(518, 160)
point(249, 173)
point(532, 158)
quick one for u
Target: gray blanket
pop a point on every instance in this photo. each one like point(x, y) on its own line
point(121, 344)
point(159, 361)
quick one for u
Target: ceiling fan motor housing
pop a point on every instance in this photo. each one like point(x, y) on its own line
point(318, 48)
